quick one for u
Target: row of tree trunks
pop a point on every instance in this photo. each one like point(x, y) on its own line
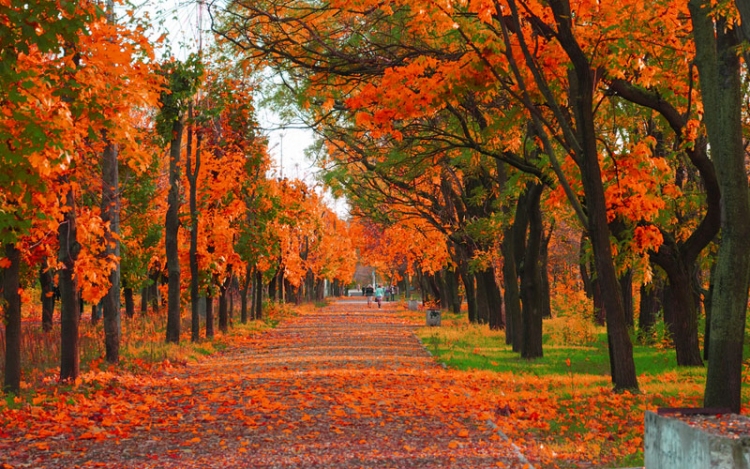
point(523, 249)
point(451, 290)
point(489, 298)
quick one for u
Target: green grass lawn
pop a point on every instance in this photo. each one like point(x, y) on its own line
point(573, 377)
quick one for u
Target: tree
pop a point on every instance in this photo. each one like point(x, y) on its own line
point(716, 41)
point(183, 79)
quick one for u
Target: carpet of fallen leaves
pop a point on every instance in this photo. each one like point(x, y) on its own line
point(340, 387)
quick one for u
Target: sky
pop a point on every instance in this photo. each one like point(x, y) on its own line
point(180, 22)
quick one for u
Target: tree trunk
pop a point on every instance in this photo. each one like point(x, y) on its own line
point(153, 289)
point(512, 294)
point(626, 285)
point(320, 290)
point(432, 284)
point(223, 312)
point(680, 303)
point(451, 289)
point(144, 300)
point(272, 287)
point(440, 278)
point(544, 275)
point(111, 215)
point(172, 225)
point(650, 305)
point(192, 177)
point(11, 285)
point(70, 311)
point(583, 264)
point(468, 281)
point(482, 298)
point(209, 314)
point(129, 303)
point(94, 314)
point(718, 65)
point(600, 311)
point(708, 307)
point(684, 322)
point(494, 298)
point(258, 295)
point(243, 295)
point(230, 297)
point(531, 294)
point(512, 298)
point(47, 285)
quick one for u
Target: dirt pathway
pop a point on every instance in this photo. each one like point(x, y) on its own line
point(344, 387)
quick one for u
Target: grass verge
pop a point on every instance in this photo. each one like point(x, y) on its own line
point(561, 405)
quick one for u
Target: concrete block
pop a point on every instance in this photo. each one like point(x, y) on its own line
point(433, 317)
point(671, 443)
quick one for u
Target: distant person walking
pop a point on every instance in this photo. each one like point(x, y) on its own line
point(369, 291)
point(379, 292)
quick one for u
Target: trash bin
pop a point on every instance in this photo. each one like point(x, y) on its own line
point(412, 305)
point(433, 317)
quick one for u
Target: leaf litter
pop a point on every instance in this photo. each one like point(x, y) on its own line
point(341, 387)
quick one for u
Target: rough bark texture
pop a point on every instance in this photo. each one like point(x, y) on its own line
point(111, 214)
point(69, 304)
point(11, 285)
point(171, 228)
point(719, 71)
point(531, 294)
point(680, 307)
point(626, 286)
